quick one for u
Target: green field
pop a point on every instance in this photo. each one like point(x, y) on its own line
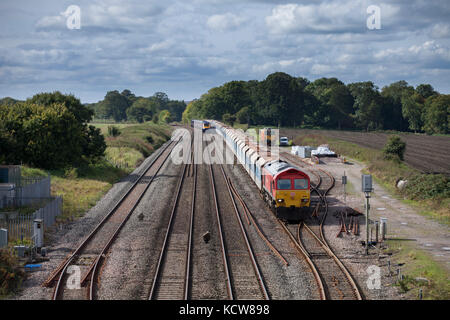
point(82, 187)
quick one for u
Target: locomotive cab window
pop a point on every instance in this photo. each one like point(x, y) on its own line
point(284, 184)
point(301, 183)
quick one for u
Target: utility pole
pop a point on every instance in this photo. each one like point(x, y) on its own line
point(367, 189)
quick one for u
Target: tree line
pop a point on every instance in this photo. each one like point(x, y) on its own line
point(49, 130)
point(125, 106)
point(283, 100)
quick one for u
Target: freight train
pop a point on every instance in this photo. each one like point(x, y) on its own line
point(284, 187)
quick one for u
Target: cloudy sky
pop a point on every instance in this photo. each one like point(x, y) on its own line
point(186, 47)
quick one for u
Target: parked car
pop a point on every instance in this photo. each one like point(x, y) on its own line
point(284, 141)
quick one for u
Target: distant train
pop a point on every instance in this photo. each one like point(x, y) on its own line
point(284, 187)
point(205, 125)
point(266, 136)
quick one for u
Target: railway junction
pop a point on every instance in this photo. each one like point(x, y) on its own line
point(202, 231)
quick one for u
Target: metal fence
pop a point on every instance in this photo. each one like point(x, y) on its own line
point(20, 224)
point(29, 189)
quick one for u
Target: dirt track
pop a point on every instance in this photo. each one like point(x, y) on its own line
point(429, 154)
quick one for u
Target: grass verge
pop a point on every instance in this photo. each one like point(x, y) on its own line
point(419, 271)
point(429, 194)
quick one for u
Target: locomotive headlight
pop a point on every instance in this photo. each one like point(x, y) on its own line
point(280, 200)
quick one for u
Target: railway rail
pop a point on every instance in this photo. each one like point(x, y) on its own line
point(90, 253)
point(333, 279)
point(243, 281)
point(171, 280)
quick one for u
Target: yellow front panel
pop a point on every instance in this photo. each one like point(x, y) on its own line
point(292, 198)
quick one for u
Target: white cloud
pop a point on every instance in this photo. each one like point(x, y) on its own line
point(441, 30)
point(224, 22)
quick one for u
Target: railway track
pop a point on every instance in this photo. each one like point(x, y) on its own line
point(333, 279)
point(244, 279)
point(90, 253)
point(171, 280)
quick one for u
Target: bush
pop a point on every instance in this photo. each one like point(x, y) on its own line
point(11, 275)
point(149, 139)
point(428, 186)
point(394, 149)
point(113, 131)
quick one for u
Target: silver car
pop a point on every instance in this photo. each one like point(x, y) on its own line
point(284, 141)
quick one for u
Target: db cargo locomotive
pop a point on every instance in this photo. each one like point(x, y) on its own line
point(284, 187)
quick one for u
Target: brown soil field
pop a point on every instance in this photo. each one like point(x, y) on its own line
point(430, 154)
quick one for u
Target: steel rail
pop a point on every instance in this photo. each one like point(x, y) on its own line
point(244, 235)
point(187, 170)
point(169, 228)
point(322, 240)
point(222, 244)
point(341, 266)
point(61, 270)
point(191, 227)
point(255, 224)
point(306, 256)
point(94, 268)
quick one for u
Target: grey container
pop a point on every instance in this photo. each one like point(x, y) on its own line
point(305, 151)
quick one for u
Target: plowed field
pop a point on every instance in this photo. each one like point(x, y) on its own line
point(429, 154)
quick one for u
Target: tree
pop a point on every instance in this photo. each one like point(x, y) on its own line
point(425, 90)
point(412, 107)
point(140, 108)
point(336, 103)
point(278, 100)
point(162, 99)
point(229, 119)
point(129, 95)
point(113, 106)
point(367, 105)
point(45, 136)
point(176, 108)
point(165, 116)
point(94, 144)
point(436, 115)
point(243, 115)
point(82, 113)
point(394, 148)
point(392, 107)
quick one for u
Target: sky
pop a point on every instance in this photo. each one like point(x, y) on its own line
point(184, 48)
